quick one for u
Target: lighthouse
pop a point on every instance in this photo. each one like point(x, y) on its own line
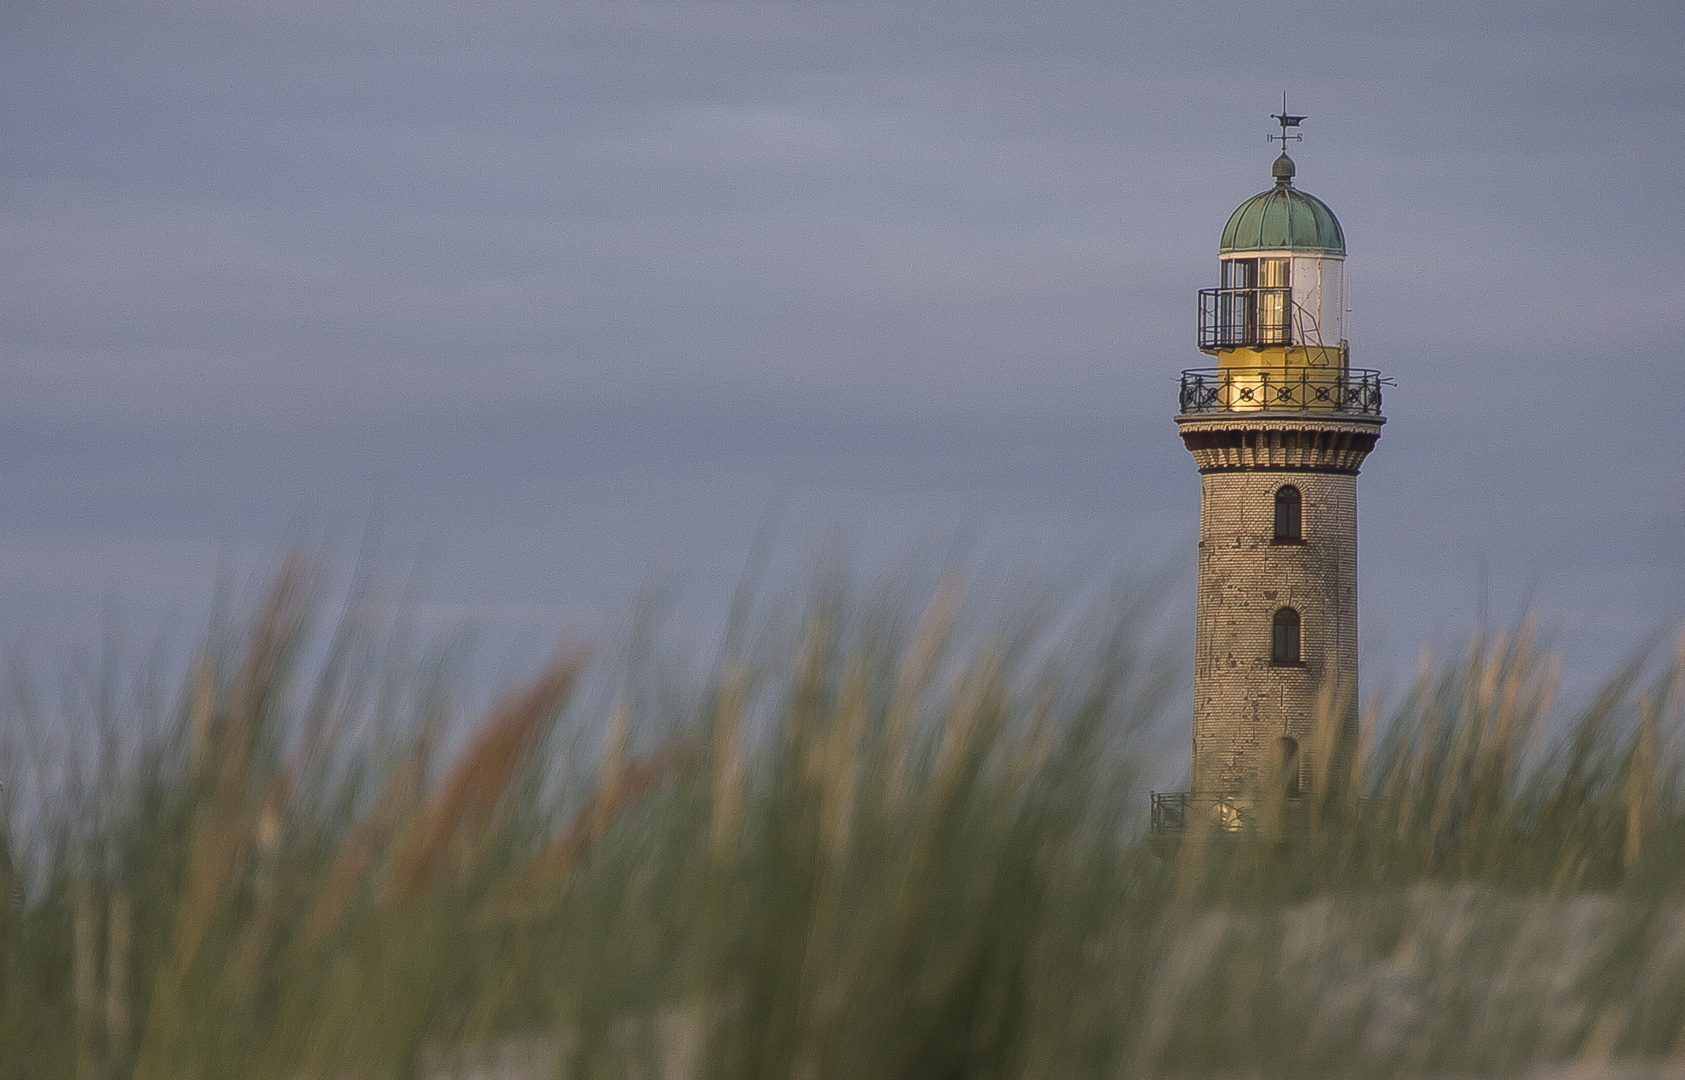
point(1278, 428)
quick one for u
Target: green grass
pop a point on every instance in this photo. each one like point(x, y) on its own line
point(882, 838)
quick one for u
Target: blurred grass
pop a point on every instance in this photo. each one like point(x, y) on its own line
point(883, 840)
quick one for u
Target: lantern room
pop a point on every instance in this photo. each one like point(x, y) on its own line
point(1281, 298)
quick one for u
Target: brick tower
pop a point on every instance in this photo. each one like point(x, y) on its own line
point(1278, 429)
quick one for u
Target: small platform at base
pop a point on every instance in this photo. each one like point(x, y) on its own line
point(1229, 819)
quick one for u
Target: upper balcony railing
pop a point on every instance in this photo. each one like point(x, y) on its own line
point(1241, 317)
point(1354, 391)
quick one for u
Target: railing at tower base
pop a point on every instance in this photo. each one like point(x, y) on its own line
point(1176, 813)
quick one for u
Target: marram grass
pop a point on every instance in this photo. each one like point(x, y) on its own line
point(888, 842)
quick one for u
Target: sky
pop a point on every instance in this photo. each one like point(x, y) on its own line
point(535, 304)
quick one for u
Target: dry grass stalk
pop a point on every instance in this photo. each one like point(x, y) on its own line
point(1410, 766)
point(838, 783)
point(1570, 875)
point(119, 943)
point(1541, 699)
point(1670, 709)
point(842, 767)
point(1038, 736)
point(1674, 699)
point(1362, 742)
point(469, 797)
point(527, 888)
point(976, 693)
point(609, 772)
point(219, 847)
point(1271, 796)
point(812, 683)
point(918, 666)
point(1503, 720)
point(201, 714)
point(728, 759)
point(276, 902)
point(11, 882)
point(1362, 747)
point(84, 964)
point(225, 824)
point(259, 678)
point(1641, 786)
point(350, 866)
point(1329, 723)
point(727, 810)
point(1196, 848)
point(1498, 754)
point(261, 932)
point(1451, 776)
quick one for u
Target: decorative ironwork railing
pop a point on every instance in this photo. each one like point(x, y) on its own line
point(1170, 811)
point(1237, 317)
point(1307, 389)
point(1174, 812)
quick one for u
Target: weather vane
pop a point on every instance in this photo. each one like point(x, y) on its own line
point(1287, 120)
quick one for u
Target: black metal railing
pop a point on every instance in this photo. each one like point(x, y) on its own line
point(1174, 812)
point(1256, 316)
point(1170, 811)
point(1303, 389)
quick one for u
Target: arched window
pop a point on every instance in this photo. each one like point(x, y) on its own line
point(1288, 524)
point(1284, 637)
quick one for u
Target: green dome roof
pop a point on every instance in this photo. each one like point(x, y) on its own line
point(1283, 217)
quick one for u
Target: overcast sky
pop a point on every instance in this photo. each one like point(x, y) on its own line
point(566, 295)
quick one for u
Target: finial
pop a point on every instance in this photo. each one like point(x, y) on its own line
point(1283, 169)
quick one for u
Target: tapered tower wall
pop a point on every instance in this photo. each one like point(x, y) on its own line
point(1245, 700)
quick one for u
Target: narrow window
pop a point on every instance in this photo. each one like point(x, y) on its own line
point(1284, 637)
point(1274, 302)
point(1287, 513)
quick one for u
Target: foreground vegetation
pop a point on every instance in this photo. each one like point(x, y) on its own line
point(881, 839)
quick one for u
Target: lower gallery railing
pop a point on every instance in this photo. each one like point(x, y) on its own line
point(1174, 812)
